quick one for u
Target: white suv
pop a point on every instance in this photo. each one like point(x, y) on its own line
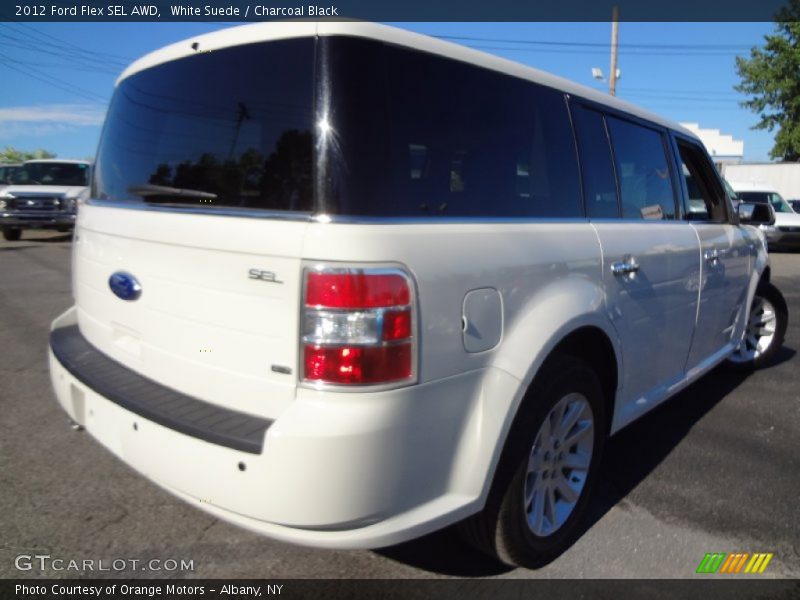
point(345, 285)
point(785, 232)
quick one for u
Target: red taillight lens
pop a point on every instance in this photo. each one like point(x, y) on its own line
point(356, 289)
point(358, 364)
point(358, 327)
point(397, 324)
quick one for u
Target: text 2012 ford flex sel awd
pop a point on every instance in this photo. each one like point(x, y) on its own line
point(345, 285)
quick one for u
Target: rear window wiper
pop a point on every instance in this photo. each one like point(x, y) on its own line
point(166, 194)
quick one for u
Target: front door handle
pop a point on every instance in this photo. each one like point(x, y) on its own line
point(628, 267)
point(711, 256)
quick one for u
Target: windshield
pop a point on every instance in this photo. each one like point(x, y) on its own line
point(51, 173)
point(779, 204)
point(226, 128)
point(7, 172)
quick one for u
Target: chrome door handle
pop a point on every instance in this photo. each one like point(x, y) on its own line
point(625, 268)
point(711, 256)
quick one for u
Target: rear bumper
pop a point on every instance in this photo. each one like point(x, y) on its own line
point(336, 470)
point(153, 401)
point(33, 220)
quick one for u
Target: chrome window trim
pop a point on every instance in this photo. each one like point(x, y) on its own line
point(364, 220)
point(218, 211)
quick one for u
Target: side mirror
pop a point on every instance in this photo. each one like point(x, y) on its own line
point(756, 213)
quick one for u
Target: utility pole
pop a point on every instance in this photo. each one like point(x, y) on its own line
point(612, 77)
point(241, 115)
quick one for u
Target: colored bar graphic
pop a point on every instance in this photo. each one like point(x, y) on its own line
point(741, 562)
point(713, 562)
point(734, 563)
point(758, 563)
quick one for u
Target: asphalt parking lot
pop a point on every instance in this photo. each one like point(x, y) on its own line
point(715, 469)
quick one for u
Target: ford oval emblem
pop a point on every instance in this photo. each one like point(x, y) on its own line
point(125, 286)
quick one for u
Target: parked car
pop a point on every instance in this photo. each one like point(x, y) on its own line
point(782, 176)
point(392, 284)
point(6, 173)
point(785, 233)
point(43, 194)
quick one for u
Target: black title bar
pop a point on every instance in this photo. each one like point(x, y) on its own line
point(698, 588)
point(399, 10)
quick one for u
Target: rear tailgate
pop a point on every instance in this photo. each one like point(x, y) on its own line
point(202, 325)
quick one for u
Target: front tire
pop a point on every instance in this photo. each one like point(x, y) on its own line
point(12, 234)
point(550, 462)
point(765, 330)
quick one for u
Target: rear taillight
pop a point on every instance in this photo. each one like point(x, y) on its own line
point(358, 326)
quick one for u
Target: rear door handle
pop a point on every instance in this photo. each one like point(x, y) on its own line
point(628, 267)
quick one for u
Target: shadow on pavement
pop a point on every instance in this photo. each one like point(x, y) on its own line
point(630, 456)
point(28, 242)
point(61, 237)
point(24, 243)
point(444, 552)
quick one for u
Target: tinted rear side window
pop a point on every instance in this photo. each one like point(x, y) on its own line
point(597, 166)
point(232, 127)
point(644, 175)
point(412, 134)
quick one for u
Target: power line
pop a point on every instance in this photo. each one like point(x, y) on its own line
point(679, 97)
point(60, 66)
point(59, 83)
point(603, 45)
point(99, 67)
point(693, 91)
point(597, 51)
point(46, 47)
point(60, 43)
point(688, 107)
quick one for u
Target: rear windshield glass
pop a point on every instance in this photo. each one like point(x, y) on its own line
point(412, 134)
point(51, 173)
point(225, 128)
point(343, 126)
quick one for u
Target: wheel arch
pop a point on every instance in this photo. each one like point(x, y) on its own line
point(588, 342)
point(592, 345)
point(586, 338)
point(589, 337)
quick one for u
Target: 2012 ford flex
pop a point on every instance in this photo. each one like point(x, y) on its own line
point(345, 285)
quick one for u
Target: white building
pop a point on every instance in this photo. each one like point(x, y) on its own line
point(722, 147)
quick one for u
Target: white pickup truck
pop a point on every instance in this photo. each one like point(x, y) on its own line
point(43, 194)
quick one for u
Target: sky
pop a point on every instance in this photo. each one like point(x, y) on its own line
point(56, 78)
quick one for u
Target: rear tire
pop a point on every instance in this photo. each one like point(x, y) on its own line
point(12, 234)
point(764, 332)
point(547, 469)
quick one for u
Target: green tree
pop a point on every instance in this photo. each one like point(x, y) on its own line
point(771, 76)
point(14, 155)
